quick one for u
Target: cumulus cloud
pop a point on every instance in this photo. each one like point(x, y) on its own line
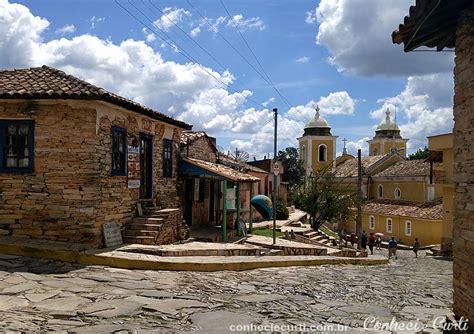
point(357, 34)
point(96, 20)
point(302, 60)
point(353, 146)
point(311, 17)
point(238, 21)
point(425, 106)
point(67, 29)
point(336, 103)
point(149, 36)
point(171, 17)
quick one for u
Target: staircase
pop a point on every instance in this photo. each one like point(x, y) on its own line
point(153, 227)
point(319, 237)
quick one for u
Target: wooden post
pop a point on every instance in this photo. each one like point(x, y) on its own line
point(251, 209)
point(275, 111)
point(237, 207)
point(224, 211)
point(359, 193)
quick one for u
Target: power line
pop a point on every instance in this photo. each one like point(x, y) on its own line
point(238, 52)
point(255, 57)
point(179, 48)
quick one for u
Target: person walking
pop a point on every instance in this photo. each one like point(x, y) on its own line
point(371, 243)
point(392, 249)
point(363, 240)
point(378, 242)
point(353, 239)
point(416, 247)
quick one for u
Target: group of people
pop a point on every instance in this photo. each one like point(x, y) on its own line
point(375, 240)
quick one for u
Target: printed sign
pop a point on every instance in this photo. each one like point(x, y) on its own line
point(133, 165)
point(230, 199)
point(112, 234)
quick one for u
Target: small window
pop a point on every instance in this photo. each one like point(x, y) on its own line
point(119, 151)
point(372, 222)
point(408, 228)
point(16, 146)
point(397, 193)
point(167, 158)
point(322, 153)
point(389, 225)
point(380, 191)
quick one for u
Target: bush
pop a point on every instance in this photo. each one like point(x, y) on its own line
point(281, 209)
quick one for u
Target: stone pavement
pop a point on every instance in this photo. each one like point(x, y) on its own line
point(44, 295)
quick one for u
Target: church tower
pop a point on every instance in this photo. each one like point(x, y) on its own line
point(317, 145)
point(387, 138)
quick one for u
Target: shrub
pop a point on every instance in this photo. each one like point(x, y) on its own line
point(281, 209)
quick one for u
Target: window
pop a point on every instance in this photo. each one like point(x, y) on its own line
point(372, 222)
point(389, 225)
point(16, 146)
point(408, 228)
point(167, 158)
point(397, 193)
point(119, 151)
point(376, 152)
point(380, 191)
point(322, 152)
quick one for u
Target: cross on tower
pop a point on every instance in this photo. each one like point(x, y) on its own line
point(344, 151)
point(317, 111)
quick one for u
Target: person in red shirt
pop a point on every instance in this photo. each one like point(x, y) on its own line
point(371, 243)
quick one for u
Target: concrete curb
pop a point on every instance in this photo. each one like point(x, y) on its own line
point(191, 263)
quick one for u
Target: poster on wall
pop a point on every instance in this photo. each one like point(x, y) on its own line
point(230, 199)
point(133, 164)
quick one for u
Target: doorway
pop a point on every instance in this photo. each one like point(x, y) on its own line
point(146, 166)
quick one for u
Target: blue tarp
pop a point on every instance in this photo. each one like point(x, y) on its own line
point(263, 205)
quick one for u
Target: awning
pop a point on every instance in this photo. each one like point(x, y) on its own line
point(201, 168)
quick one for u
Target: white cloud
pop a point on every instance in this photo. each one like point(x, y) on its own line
point(425, 107)
point(238, 21)
point(149, 36)
point(171, 17)
point(67, 29)
point(302, 60)
point(353, 146)
point(357, 34)
point(311, 17)
point(268, 102)
point(336, 103)
point(195, 31)
point(96, 20)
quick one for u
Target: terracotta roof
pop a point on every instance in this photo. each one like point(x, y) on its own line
point(49, 83)
point(231, 162)
point(191, 136)
point(348, 168)
point(430, 210)
point(407, 168)
point(221, 170)
point(422, 25)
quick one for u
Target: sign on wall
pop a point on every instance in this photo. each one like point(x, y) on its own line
point(230, 199)
point(112, 234)
point(133, 164)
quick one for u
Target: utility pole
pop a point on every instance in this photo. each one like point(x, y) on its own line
point(359, 194)
point(275, 114)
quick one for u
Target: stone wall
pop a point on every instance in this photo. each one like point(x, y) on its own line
point(71, 192)
point(170, 229)
point(199, 149)
point(463, 234)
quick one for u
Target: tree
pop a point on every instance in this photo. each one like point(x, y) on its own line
point(328, 199)
point(293, 167)
point(421, 153)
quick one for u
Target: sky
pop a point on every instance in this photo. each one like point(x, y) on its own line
point(223, 65)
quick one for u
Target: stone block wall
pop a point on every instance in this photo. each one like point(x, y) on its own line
point(200, 149)
point(170, 229)
point(463, 234)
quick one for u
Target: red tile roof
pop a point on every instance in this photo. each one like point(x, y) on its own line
point(349, 167)
point(431, 210)
point(224, 171)
point(49, 83)
point(406, 168)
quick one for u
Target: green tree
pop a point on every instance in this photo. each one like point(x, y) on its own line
point(328, 199)
point(293, 170)
point(421, 153)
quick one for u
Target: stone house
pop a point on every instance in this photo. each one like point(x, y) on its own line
point(449, 24)
point(74, 156)
point(213, 195)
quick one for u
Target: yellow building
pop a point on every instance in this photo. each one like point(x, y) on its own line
point(317, 145)
point(441, 148)
point(387, 137)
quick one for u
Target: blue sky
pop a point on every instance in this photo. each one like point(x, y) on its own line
point(337, 53)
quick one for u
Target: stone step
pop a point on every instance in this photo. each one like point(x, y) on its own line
point(318, 238)
point(147, 220)
point(310, 234)
point(147, 227)
point(144, 233)
point(144, 240)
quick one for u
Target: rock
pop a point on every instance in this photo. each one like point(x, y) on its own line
point(260, 298)
point(12, 302)
point(39, 297)
point(110, 308)
point(220, 321)
point(62, 304)
point(156, 294)
point(14, 289)
point(172, 306)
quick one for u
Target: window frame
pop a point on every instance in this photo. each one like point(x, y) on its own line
point(118, 129)
point(409, 224)
point(387, 225)
point(324, 146)
point(371, 222)
point(165, 172)
point(380, 187)
point(395, 195)
point(31, 145)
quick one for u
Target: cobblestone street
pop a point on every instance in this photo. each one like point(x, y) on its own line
point(42, 295)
